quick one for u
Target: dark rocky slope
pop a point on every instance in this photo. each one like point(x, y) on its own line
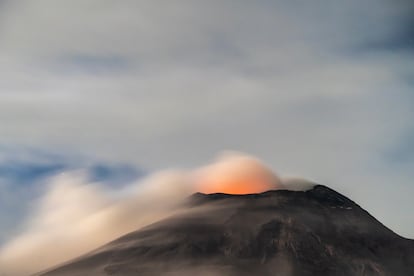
point(317, 232)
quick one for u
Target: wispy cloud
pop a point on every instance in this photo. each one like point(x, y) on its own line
point(76, 216)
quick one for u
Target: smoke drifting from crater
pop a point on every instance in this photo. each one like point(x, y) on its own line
point(76, 216)
point(236, 174)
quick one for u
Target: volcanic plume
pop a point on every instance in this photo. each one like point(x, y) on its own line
point(236, 174)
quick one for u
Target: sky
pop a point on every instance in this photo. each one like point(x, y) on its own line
point(322, 90)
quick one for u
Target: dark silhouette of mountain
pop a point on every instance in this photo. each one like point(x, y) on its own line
point(314, 232)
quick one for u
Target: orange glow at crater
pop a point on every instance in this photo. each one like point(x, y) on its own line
point(236, 175)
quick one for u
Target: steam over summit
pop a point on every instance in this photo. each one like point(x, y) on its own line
point(236, 174)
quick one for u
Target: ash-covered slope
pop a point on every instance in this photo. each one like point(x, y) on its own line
point(317, 232)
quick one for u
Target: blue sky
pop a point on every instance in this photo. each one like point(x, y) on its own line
point(321, 90)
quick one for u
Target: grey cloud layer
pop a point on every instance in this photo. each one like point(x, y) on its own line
point(172, 83)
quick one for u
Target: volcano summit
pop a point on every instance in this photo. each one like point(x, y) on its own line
point(314, 232)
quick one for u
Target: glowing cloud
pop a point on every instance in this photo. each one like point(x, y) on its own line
point(236, 174)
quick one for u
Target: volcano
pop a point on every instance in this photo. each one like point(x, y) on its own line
point(281, 232)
